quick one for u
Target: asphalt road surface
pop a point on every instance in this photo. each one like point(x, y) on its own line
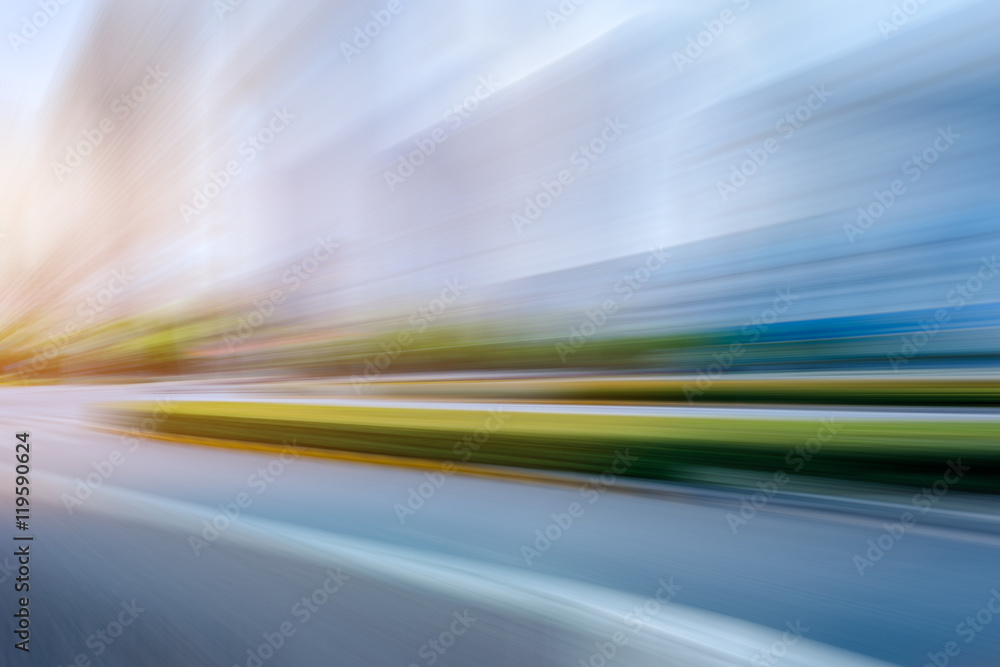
point(337, 563)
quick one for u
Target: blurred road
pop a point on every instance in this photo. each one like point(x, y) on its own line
point(449, 582)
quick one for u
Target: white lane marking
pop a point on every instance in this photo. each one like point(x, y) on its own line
point(689, 636)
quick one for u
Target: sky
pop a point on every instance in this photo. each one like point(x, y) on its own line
point(689, 116)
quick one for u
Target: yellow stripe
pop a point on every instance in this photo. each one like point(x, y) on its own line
point(539, 477)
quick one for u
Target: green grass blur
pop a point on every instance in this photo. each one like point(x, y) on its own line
point(667, 448)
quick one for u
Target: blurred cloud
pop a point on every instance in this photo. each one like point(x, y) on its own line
point(269, 125)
